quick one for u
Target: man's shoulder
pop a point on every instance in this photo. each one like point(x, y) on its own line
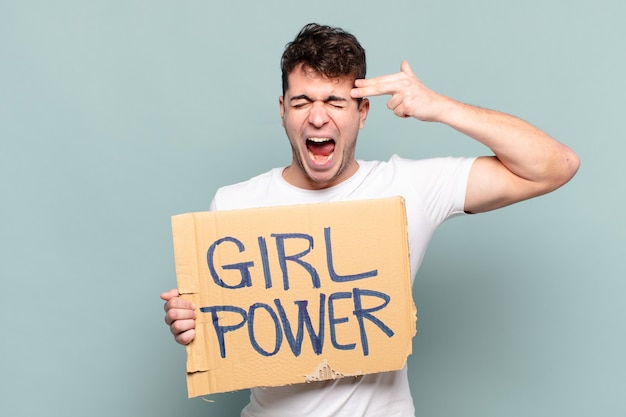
point(399, 163)
point(256, 181)
point(245, 193)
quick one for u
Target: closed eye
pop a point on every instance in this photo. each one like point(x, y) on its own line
point(301, 101)
point(336, 102)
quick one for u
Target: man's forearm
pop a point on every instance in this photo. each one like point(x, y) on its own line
point(522, 148)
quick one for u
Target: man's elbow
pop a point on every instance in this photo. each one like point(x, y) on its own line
point(564, 168)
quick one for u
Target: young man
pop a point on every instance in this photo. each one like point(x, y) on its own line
point(323, 107)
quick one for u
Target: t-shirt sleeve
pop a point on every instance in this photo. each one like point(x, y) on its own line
point(439, 184)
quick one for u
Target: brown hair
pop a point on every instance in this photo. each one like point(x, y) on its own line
point(329, 51)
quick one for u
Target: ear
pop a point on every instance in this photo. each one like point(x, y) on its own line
point(364, 109)
point(281, 105)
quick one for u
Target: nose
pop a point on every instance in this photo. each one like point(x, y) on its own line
point(318, 114)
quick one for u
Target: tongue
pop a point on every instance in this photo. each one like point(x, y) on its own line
point(321, 149)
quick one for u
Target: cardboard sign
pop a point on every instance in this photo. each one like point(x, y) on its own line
point(295, 294)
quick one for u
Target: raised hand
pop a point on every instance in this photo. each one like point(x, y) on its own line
point(527, 161)
point(409, 96)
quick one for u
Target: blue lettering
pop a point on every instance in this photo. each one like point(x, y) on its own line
point(282, 323)
point(362, 314)
point(283, 258)
point(332, 321)
point(221, 330)
point(331, 268)
point(317, 339)
point(279, 334)
point(266, 263)
point(243, 267)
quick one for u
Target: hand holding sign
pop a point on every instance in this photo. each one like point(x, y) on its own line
point(180, 316)
point(409, 96)
point(280, 300)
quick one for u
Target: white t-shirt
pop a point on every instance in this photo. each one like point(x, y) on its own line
point(434, 190)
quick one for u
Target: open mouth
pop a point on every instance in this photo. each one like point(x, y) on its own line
point(320, 149)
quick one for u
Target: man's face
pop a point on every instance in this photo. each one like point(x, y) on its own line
point(322, 122)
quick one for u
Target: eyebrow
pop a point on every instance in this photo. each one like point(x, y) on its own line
point(326, 100)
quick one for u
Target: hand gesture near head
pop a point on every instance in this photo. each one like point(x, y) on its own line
point(527, 162)
point(409, 96)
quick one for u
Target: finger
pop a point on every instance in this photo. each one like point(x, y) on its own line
point(406, 68)
point(394, 102)
point(370, 91)
point(399, 107)
point(166, 296)
point(401, 112)
point(377, 86)
point(381, 79)
point(178, 303)
point(176, 314)
point(186, 337)
point(181, 326)
point(396, 105)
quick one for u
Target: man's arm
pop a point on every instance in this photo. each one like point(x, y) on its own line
point(527, 162)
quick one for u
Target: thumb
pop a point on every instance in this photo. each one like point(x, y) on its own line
point(166, 296)
point(406, 68)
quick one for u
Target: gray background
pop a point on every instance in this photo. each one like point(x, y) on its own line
point(115, 115)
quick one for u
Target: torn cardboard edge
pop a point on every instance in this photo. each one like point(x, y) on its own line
point(350, 258)
point(325, 372)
